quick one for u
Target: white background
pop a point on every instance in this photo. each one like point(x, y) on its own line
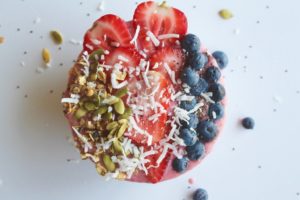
point(262, 82)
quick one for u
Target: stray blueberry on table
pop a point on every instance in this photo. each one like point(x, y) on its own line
point(215, 111)
point(188, 105)
point(193, 122)
point(188, 136)
point(196, 151)
point(218, 92)
point(189, 76)
point(212, 74)
point(190, 43)
point(200, 194)
point(180, 165)
point(197, 60)
point(199, 88)
point(248, 123)
point(221, 58)
point(207, 131)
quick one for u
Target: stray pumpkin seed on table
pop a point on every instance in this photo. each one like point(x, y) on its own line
point(225, 14)
point(46, 55)
point(1, 39)
point(56, 37)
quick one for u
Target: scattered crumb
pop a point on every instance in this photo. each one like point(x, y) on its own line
point(88, 14)
point(236, 31)
point(18, 87)
point(37, 20)
point(1, 39)
point(26, 96)
point(189, 187)
point(298, 193)
point(31, 31)
point(80, 3)
point(191, 181)
point(274, 110)
point(277, 99)
point(258, 22)
point(250, 46)
point(233, 149)
point(261, 77)
point(41, 37)
point(286, 71)
point(267, 6)
point(22, 63)
point(298, 91)
point(51, 91)
point(259, 166)
point(246, 57)
point(75, 161)
point(61, 64)
point(194, 6)
point(25, 52)
point(59, 48)
point(100, 6)
point(18, 29)
point(39, 70)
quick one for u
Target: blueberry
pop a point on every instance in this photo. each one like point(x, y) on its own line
point(180, 165)
point(248, 123)
point(212, 74)
point(218, 92)
point(215, 111)
point(197, 60)
point(193, 122)
point(199, 88)
point(190, 43)
point(221, 58)
point(188, 105)
point(189, 76)
point(188, 136)
point(195, 151)
point(200, 194)
point(207, 131)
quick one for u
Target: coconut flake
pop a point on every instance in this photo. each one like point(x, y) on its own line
point(122, 58)
point(115, 83)
point(100, 6)
point(196, 108)
point(207, 96)
point(168, 36)
point(82, 138)
point(115, 44)
point(136, 34)
point(139, 130)
point(152, 37)
point(69, 100)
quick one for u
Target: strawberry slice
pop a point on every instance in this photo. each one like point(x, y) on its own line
point(174, 58)
point(154, 117)
point(107, 32)
point(127, 56)
point(156, 174)
point(158, 19)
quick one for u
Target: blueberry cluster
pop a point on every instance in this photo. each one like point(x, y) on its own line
point(201, 78)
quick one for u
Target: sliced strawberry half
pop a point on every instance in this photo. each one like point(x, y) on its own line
point(107, 32)
point(156, 174)
point(168, 57)
point(158, 19)
point(129, 57)
point(154, 118)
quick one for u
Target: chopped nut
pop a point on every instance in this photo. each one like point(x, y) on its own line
point(46, 55)
point(81, 80)
point(90, 92)
point(1, 39)
point(225, 14)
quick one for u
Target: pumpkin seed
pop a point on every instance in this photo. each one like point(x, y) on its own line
point(56, 37)
point(225, 14)
point(101, 110)
point(111, 100)
point(93, 77)
point(126, 114)
point(121, 92)
point(117, 146)
point(95, 55)
point(46, 55)
point(112, 132)
point(111, 125)
point(121, 76)
point(102, 76)
point(80, 113)
point(107, 116)
point(89, 106)
point(100, 169)
point(123, 121)
point(97, 100)
point(108, 163)
point(119, 107)
point(122, 176)
point(90, 92)
point(122, 130)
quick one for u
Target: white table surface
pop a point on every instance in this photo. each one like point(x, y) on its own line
point(262, 81)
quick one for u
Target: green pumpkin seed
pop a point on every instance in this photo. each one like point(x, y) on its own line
point(93, 77)
point(96, 54)
point(123, 121)
point(80, 113)
point(107, 116)
point(111, 125)
point(97, 100)
point(89, 106)
point(112, 132)
point(57, 37)
point(101, 110)
point(117, 146)
point(111, 100)
point(122, 130)
point(119, 107)
point(102, 76)
point(225, 14)
point(121, 92)
point(126, 114)
point(108, 163)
